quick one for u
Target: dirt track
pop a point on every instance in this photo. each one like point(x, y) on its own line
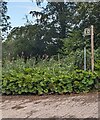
point(58, 106)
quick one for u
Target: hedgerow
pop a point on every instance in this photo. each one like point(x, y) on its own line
point(46, 77)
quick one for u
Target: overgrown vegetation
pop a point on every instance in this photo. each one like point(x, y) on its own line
point(46, 77)
point(47, 57)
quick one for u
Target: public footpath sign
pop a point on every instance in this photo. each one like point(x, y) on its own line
point(87, 31)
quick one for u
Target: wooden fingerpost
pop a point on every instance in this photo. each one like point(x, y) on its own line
point(92, 48)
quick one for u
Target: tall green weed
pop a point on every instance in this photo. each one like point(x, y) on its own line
point(45, 77)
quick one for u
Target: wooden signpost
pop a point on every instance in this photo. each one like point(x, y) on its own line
point(92, 49)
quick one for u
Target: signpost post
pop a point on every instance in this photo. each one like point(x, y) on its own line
point(92, 49)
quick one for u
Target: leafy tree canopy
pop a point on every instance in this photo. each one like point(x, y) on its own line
point(4, 19)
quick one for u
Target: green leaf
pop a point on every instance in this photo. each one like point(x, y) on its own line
point(90, 82)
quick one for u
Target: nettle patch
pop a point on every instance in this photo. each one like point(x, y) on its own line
point(47, 80)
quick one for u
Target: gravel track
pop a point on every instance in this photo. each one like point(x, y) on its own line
point(51, 106)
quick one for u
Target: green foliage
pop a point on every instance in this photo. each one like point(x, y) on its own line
point(54, 22)
point(46, 77)
point(30, 40)
point(4, 19)
point(23, 41)
point(73, 48)
point(57, 21)
point(56, 16)
point(97, 67)
point(87, 14)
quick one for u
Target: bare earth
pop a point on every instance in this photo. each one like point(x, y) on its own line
point(50, 106)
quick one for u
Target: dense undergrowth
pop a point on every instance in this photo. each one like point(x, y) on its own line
point(47, 77)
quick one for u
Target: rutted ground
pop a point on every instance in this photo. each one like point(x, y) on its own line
point(60, 106)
